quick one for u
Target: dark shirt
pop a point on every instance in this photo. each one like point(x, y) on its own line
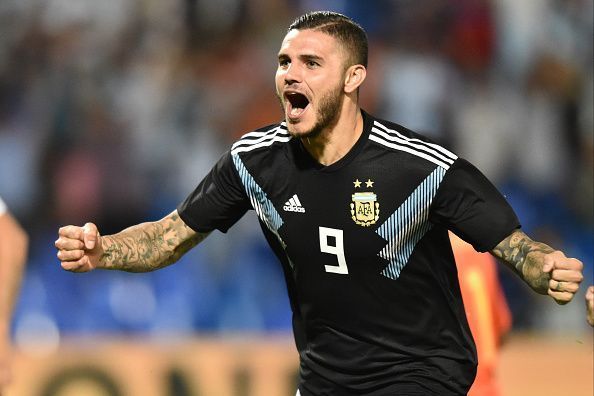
point(363, 242)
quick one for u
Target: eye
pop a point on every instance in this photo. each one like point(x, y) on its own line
point(312, 64)
point(283, 63)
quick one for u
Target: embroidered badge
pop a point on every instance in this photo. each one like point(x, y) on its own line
point(364, 205)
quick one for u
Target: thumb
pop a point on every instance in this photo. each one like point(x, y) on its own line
point(90, 235)
point(549, 263)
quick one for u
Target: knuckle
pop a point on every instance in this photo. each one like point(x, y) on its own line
point(553, 283)
point(580, 278)
point(580, 265)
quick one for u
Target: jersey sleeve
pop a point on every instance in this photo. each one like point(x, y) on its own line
point(468, 204)
point(218, 202)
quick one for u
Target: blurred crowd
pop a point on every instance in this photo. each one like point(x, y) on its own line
point(112, 111)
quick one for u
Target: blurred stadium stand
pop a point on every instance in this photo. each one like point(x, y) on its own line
point(112, 111)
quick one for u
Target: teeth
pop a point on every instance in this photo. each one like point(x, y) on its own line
point(295, 105)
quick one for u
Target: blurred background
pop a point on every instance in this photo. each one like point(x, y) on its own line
point(112, 111)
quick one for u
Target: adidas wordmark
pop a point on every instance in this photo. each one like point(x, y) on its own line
point(293, 205)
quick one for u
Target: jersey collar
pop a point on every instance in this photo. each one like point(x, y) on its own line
point(347, 158)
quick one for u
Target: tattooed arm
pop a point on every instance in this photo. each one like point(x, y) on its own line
point(544, 269)
point(140, 248)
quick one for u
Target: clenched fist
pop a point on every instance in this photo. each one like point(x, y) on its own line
point(566, 276)
point(79, 248)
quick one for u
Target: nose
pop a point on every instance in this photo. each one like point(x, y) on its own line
point(292, 74)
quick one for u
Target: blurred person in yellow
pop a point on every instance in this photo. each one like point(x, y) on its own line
point(486, 309)
point(357, 210)
point(590, 305)
point(13, 254)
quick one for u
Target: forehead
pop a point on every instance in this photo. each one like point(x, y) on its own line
point(310, 42)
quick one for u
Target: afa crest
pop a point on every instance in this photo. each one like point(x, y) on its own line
point(364, 206)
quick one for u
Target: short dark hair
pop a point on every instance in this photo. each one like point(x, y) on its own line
point(351, 35)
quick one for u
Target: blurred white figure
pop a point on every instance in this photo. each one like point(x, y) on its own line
point(13, 253)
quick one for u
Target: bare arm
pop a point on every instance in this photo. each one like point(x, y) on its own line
point(525, 257)
point(544, 269)
point(149, 246)
point(140, 248)
point(13, 254)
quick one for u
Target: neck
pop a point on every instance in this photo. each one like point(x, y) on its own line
point(334, 143)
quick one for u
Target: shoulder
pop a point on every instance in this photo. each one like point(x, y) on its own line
point(396, 137)
point(265, 137)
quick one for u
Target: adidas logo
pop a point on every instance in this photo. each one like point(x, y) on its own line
point(293, 205)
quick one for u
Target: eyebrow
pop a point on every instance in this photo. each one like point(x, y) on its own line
point(308, 57)
point(304, 57)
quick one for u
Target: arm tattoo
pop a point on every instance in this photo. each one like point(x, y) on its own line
point(149, 246)
point(525, 257)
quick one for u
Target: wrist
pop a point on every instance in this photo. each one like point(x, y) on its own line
point(106, 252)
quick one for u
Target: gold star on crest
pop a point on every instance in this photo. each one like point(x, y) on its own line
point(357, 183)
point(369, 183)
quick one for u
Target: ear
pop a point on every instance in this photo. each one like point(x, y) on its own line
point(354, 77)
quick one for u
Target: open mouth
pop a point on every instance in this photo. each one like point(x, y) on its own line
point(296, 103)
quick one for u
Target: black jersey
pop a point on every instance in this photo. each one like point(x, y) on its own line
point(364, 246)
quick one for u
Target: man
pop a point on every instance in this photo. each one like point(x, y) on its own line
point(487, 311)
point(357, 210)
point(13, 254)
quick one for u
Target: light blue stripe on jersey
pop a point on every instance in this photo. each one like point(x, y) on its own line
point(408, 224)
point(260, 202)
